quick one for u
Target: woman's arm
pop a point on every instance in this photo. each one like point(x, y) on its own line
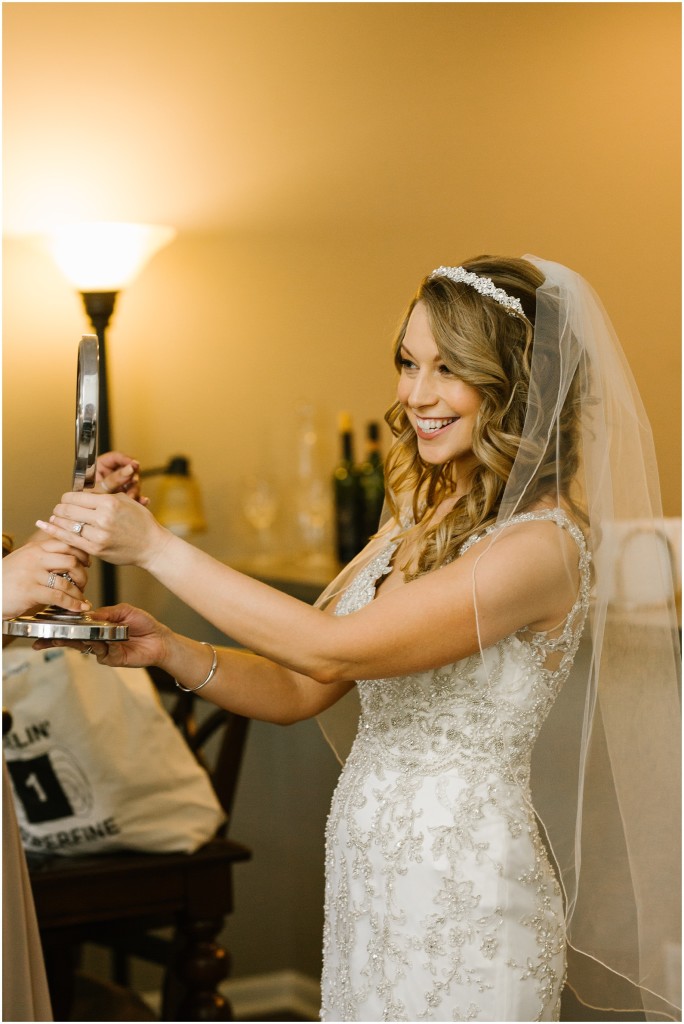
point(253, 686)
point(243, 682)
point(522, 581)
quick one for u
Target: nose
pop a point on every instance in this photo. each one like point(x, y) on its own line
point(422, 391)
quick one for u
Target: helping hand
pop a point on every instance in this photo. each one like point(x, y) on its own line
point(31, 578)
point(118, 472)
point(146, 644)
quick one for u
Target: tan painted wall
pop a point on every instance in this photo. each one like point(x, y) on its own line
point(317, 159)
point(545, 128)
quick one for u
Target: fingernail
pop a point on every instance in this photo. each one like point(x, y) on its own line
point(85, 606)
point(52, 519)
point(128, 469)
point(40, 524)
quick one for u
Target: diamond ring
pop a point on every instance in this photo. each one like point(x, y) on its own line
point(77, 527)
point(51, 579)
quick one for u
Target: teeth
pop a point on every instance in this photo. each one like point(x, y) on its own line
point(432, 425)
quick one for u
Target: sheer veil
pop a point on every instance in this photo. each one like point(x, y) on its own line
point(605, 782)
point(617, 841)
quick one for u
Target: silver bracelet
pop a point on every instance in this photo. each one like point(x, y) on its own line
point(212, 672)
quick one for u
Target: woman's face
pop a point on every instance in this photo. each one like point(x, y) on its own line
point(441, 408)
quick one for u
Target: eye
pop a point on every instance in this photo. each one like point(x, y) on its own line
point(406, 364)
point(444, 370)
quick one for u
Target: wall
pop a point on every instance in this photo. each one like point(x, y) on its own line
point(384, 139)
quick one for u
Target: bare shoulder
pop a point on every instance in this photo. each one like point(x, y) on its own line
point(536, 538)
point(531, 566)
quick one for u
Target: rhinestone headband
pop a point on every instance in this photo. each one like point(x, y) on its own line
point(483, 285)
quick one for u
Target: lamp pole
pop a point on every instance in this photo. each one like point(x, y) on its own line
point(99, 306)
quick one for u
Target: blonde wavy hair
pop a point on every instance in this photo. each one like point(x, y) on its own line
point(490, 349)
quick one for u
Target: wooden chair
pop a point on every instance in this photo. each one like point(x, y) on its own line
point(115, 900)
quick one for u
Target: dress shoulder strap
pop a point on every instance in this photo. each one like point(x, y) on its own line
point(556, 515)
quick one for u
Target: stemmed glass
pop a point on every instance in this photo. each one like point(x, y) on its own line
point(259, 500)
point(313, 515)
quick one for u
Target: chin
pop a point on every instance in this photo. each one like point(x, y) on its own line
point(435, 460)
point(434, 455)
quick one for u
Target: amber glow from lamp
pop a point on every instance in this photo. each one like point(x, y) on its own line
point(102, 256)
point(178, 503)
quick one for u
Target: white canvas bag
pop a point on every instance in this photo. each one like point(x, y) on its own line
point(96, 762)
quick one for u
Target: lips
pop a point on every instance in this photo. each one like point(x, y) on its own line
point(429, 428)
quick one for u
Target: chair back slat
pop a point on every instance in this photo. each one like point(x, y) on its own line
point(233, 729)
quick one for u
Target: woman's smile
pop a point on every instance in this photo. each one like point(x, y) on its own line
point(429, 428)
point(441, 408)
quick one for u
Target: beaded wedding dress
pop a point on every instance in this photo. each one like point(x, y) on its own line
point(441, 903)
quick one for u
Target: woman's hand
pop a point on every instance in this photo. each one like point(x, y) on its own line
point(146, 645)
point(31, 578)
point(118, 472)
point(111, 526)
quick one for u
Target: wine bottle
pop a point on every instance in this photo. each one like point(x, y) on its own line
point(348, 497)
point(372, 482)
point(312, 502)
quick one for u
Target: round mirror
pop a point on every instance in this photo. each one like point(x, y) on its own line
point(87, 391)
point(54, 622)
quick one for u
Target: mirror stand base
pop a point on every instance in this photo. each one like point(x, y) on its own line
point(57, 624)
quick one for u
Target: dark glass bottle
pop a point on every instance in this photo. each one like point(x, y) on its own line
point(347, 496)
point(372, 482)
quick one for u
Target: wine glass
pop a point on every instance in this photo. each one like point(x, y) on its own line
point(313, 516)
point(259, 500)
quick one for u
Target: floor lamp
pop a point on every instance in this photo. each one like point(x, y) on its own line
point(100, 259)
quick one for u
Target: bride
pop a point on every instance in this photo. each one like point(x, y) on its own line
point(520, 445)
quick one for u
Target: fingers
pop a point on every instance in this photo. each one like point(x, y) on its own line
point(63, 556)
point(95, 508)
point(105, 653)
point(111, 461)
point(37, 575)
point(112, 526)
point(67, 602)
point(124, 479)
point(66, 564)
point(115, 613)
point(70, 580)
point(66, 534)
point(74, 520)
point(117, 472)
point(84, 499)
point(64, 591)
point(98, 648)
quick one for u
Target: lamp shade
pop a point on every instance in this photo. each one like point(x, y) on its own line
point(101, 256)
point(178, 505)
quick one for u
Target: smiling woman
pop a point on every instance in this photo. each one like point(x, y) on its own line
point(462, 398)
point(457, 627)
point(435, 400)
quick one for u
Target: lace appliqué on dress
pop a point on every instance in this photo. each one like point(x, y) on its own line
point(440, 900)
